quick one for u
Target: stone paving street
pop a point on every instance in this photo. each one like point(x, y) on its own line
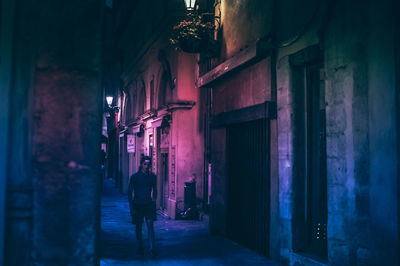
point(178, 242)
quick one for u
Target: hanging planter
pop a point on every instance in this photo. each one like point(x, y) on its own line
point(189, 45)
point(192, 35)
point(196, 46)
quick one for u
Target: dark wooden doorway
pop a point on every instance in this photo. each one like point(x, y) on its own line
point(248, 184)
point(316, 183)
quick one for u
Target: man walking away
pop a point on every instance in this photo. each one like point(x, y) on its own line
point(142, 195)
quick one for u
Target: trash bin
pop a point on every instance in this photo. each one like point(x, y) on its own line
point(190, 195)
point(190, 209)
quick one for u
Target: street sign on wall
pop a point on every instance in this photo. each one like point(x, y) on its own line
point(130, 143)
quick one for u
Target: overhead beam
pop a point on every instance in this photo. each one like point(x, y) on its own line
point(250, 55)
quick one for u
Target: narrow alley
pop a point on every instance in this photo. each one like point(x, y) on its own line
point(178, 242)
point(276, 122)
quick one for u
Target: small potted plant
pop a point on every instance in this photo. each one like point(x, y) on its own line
point(193, 35)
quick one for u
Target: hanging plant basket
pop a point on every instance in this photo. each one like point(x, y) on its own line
point(195, 45)
point(192, 35)
point(189, 46)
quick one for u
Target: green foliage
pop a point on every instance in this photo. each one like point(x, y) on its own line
point(193, 34)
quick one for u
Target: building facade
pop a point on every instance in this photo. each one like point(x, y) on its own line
point(304, 149)
point(289, 107)
point(295, 159)
point(160, 113)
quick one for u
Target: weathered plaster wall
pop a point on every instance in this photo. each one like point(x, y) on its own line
point(219, 186)
point(256, 15)
point(286, 154)
point(66, 133)
point(186, 77)
point(347, 135)
point(55, 120)
point(188, 132)
point(189, 151)
point(244, 88)
point(361, 126)
point(382, 199)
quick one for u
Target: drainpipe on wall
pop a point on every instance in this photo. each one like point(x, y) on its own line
point(207, 152)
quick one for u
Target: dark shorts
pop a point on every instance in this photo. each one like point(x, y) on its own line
point(141, 211)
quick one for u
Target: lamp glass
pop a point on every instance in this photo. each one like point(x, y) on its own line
point(190, 4)
point(109, 100)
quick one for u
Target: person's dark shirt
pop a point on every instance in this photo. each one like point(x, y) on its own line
point(142, 185)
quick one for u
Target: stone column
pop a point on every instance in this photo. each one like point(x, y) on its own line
point(55, 112)
point(67, 114)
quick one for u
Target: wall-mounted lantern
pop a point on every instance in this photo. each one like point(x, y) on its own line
point(109, 100)
point(112, 110)
point(190, 4)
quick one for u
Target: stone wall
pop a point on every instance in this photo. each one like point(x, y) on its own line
point(358, 43)
point(53, 172)
point(361, 155)
point(383, 125)
point(361, 123)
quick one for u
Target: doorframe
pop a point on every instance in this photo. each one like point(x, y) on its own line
point(299, 62)
point(263, 110)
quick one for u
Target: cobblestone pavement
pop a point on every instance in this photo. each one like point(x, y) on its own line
point(177, 242)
